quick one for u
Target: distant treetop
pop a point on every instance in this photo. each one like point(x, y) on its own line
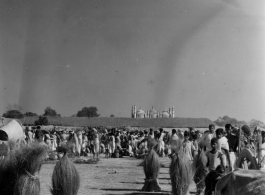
point(30, 114)
point(50, 112)
point(88, 112)
point(13, 114)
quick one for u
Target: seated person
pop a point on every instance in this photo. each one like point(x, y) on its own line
point(212, 178)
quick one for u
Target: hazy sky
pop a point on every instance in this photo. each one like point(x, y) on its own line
point(204, 57)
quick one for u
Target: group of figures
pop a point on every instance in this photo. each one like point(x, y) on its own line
point(215, 162)
point(79, 143)
point(87, 141)
point(210, 159)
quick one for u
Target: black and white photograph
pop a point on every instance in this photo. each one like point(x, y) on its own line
point(132, 97)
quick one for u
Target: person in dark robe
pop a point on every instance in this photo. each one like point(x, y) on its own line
point(212, 178)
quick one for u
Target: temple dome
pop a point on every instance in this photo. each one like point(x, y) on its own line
point(165, 114)
point(153, 113)
point(140, 113)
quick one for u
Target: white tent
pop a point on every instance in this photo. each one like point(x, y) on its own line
point(13, 129)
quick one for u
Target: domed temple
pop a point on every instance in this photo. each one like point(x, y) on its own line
point(152, 113)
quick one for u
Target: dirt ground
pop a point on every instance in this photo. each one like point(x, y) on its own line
point(112, 176)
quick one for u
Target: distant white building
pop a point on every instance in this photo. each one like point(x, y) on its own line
point(152, 113)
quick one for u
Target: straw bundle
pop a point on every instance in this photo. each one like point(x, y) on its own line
point(180, 174)
point(8, 176)
point(27, 185)
point(199, 168)
point(65, 178)
point(18, 169)
point(151, 166)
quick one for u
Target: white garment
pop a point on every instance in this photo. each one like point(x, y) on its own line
point(175, 143)
point(233, 160)
point(262, 156)
point(162, 137)
point(206, 140)
point(130, 150)
point(223, 143)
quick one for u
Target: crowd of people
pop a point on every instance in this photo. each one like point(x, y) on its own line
point(135, 143)
point(221, 146)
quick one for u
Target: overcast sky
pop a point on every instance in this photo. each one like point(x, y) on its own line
point(204, 57)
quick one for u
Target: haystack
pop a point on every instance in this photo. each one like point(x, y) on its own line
point(151, 166)
point(181, 174)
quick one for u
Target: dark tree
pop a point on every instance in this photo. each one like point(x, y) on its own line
point(88, 112)
point(50, 112)
point(43, 120)
point(13, 114)
point(112, 115)
point(30, 114)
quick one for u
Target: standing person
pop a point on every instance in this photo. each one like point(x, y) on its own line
point(161, 142)
point(167, 144)
point(90, 141)
point(207, 137)
point(29, 134)
point(246, 140)
point(124, 139)
point(175, 142)
point(188, 146)
point(96, 143)
point(192, 133)
point(180, 134)
point(103, 138)
point(196, 145)
point(231, 138)
point(84, 150)
point(107, 151)
point(79, 141)
point(132, 140)
point(72, 142)
point(261, 147)
point(222, 140)
point(39, 137)
point(150, 137)
point(214, 157)
point(141, 144)
point(54, 140)
point(162, 134)
point(232, 142)
point(117, 140)
point(111, 145)
point(47, 140)
point(153, 140)
point(63, 137)
point(58, 137)
point(224, 147)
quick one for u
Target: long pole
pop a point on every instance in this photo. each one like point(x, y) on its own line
point(239, 141)
point(259, 138)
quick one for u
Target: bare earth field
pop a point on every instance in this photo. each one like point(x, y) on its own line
point(112, 176)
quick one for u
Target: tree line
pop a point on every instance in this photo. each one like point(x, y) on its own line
point(16, 113)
